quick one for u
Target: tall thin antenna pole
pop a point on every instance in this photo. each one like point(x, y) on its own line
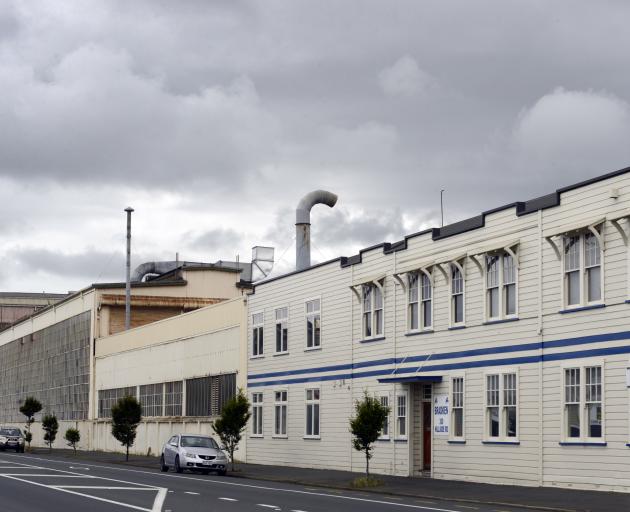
point(442, 207)
point(129, 209)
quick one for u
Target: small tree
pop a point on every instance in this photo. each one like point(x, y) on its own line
point(366, 426)
point(231, 424)
point(50, 426)
point(72, 436)
point(126, 414)
point(30, 408)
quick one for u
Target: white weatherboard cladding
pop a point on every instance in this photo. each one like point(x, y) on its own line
point(538, 459)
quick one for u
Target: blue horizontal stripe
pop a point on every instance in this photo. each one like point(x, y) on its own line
point(583, 340)
point(453, 366)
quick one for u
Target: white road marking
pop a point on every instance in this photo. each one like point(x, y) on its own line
point(157, 504)
point(82, 469)
point(99, 487)
point(275, 507)
point(252, 486)
point(194, 493)
point(298, 511)
point(228, 499)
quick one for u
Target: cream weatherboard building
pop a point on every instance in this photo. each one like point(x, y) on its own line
point(501, 344)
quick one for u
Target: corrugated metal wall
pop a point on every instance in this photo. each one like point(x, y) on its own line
point(53, 366)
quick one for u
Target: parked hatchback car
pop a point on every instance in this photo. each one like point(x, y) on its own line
point(194, 452)
point(11, 438)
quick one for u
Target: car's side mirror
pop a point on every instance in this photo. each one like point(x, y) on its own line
point(174, 444)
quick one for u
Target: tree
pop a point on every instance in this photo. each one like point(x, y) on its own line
point(126, 414)
point(72, 436)
point(231, 424)
point(30, 408)
point(366, 426)
point(50, 426)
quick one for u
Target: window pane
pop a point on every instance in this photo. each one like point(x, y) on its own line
point(492, 271)
point(458, 422)
point(593, 275)
point(309, 420)
point(493, 302)
point(594, 413)
point(509, 270)
point(573, 420)
point(426, 314)
point(572, 253)
point(458, 305)
point(378, 319)
point(278, 337)
point(511, 421)
point(494, 421)
point(573, 288)
point(317, 333)
point(367, 324)
point(316, 419)
point(592, 253)
point(413, 316)
point(426, 287)
point(510, 299)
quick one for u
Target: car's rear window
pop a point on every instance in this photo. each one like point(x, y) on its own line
point(9, 432)
point(198, 442)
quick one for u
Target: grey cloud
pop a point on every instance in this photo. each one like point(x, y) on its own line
point(213, 239)
point(91, 265)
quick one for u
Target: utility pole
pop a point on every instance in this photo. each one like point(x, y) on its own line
point(442, 207)
point(129, 209)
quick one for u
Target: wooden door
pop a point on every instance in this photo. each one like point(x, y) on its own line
point(427, 408)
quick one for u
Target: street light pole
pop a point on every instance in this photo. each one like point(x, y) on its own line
point(442, 207)
point(129, 210)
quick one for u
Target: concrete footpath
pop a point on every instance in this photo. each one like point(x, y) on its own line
point(537, 498)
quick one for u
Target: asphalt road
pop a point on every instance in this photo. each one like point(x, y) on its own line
point(31, 483)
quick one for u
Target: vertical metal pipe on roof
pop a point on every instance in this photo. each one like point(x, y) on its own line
point(303, 224)
point(129, 210)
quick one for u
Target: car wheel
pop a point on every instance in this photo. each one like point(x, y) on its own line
point(163, 467)
point(17, 450)
point(178, 468)
point(222, 472)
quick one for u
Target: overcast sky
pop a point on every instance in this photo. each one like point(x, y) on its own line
point(213, 118)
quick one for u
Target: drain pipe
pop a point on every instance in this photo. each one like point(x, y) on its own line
point(129, 209)
point(303, 225)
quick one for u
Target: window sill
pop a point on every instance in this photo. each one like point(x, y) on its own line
point(279, 437)
point(456, 441)
point(400, 440)
point(311, 349)
point(417, 333)
point(312, 438)
point(281, 353)
point(257, 357)
point(383, 440)
point(370, 340)
point(501, 321)
point(257, 436)
point(583, 443)
point(501, 442)
point(456, 327)
point(581, 308)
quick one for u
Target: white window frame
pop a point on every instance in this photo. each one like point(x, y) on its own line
point(374, 289)
point(582, 268)
point(397, 416)
point(502, 406)
point(308, 315)
point(582, 403)
point(312, 403)
point(258, 327)
point(461, 267)
point(423, 324)
point(284, 325)
point(453, 407)
point(385, 432)
point(258, 400)
point(501, 286)
point(280, 404)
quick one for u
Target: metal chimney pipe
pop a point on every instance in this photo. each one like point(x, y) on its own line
point(129, 209)
point(303, 224)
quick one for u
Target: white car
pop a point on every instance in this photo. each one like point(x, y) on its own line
point(11, 438)
point(194, 452)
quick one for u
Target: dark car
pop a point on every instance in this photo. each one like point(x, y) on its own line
point(11, 438)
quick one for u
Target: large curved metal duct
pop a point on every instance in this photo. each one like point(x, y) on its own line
point(153, 268)
point(303, 224)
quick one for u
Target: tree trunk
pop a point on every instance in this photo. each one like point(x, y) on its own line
point(232, 458)
point(367, 464)
point(127, 457)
